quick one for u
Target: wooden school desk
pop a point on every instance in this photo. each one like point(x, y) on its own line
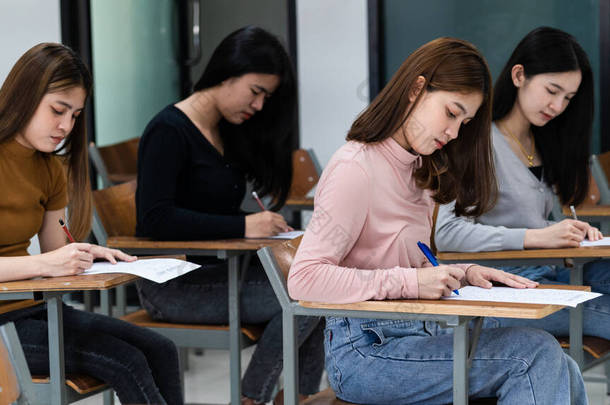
point(229, 249)
point(537, 257)
point(51, 290)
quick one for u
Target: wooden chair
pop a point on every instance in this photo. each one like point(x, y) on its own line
point(115, 163)
point(17, 385)
point(306, 172)
point(276, 261)
point(116, 216)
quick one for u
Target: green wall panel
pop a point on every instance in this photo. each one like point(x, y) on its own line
point(134, 64)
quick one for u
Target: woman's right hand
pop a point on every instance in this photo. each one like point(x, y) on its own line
point(438, 281)
point(564, 234)
point(265, 224)
point(68, 260)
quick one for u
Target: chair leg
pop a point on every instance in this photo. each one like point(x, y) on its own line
point(108, 397)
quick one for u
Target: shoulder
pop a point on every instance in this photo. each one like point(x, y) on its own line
point(170, 127)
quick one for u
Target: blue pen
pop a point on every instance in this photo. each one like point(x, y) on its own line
point(430, 256)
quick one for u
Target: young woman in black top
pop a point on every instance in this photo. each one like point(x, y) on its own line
point(193, 163)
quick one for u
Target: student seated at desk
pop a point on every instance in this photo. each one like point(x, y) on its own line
point(41, 106)
point(193, 162)
point(424, 139)
point(543, 118)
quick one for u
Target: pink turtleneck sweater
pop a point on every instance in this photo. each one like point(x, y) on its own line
point(361, 243)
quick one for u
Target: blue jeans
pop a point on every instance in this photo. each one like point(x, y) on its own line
point(371, 361)
point(201, 296)
point(139, 364)
point(596, 316)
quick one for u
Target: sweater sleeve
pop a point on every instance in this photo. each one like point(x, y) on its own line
point(162, 157)
point(340, 214)
point(462, 234)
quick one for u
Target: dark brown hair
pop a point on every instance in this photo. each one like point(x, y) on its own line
point(463, 169)
point(48, 68)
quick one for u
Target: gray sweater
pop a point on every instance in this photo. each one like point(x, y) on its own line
point(523, 202)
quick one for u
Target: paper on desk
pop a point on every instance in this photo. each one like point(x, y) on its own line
point(311, 193)
point(526, 295)
point(287, 235)
point(602, 242)
point(157, 270)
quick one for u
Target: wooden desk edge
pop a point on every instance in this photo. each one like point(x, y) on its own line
point(68, 283)
point(128, 242)
point(447, 307)
point(592, 252)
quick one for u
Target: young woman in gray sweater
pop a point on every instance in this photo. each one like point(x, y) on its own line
point(543, 116)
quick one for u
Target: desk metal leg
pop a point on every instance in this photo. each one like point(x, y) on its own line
point(121, 300)
point(56, 349)
point(576, 320)
point(234, 330)
point(460, 362)
point(291, 358)
point(105, 302)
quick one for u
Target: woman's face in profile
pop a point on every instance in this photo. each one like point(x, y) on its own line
point(53, 120)
point(437, 118)
point(544, 96)
point(239, 98)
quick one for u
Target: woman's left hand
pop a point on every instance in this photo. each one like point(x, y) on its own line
point(593, 234)
point(482, 276)
point(112, 255)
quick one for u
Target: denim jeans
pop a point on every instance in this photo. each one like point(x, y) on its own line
point(201, 296)
point(371, 361)
point(596, 312)
point(139, 364)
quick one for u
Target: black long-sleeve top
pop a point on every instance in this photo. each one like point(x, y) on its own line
point(186, 189)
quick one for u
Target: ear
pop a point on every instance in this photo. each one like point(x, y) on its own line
point(416, 88)
point(517, 74)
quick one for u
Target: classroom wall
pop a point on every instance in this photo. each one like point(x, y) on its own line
point(332, 59)
point(23, 24)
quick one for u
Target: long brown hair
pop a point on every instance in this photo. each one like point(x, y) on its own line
point(462, 170)
point(47, 68)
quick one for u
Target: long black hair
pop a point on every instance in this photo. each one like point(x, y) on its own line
point(262, 145)
point(567, 137)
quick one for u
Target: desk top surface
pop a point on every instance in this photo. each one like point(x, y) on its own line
point(450, 307)
point(588, 252)
point(591, 211)
point(301, 201)
point(128, 242)
point(68, 283)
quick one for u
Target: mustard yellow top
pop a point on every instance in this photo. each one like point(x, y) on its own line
point(31, 183)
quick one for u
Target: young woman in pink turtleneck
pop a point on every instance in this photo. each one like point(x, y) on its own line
point(424, 139)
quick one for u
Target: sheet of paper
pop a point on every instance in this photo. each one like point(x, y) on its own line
point(157, 270)
point(288, 235)
point(526, 295)
point(311, 193)
point(602, 242)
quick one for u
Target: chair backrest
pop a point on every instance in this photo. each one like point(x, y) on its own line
point(305, 172)
point(115, 211)
point(9, 386)
point(15, 377)
point(276, 261)
point(115, 163)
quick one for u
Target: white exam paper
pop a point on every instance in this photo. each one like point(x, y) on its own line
point(602, 242)
point(287, 235)
point(157, 270)
point(526, 295)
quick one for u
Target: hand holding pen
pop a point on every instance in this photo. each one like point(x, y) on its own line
point(265, 223)
point(430, 256)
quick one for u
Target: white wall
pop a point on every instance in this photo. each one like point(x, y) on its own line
point(23, 24)
point(332, 46)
